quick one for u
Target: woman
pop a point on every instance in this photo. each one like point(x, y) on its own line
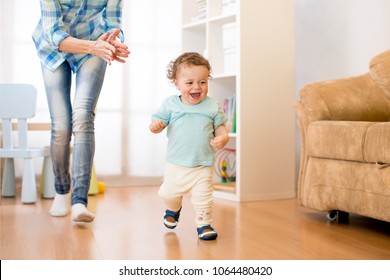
point(76, 37)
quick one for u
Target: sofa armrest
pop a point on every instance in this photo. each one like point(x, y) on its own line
point(351, 99)
point(380, 71)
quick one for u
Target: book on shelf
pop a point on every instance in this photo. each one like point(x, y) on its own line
point(201, 10)
point(229, 107)
point(228, 6)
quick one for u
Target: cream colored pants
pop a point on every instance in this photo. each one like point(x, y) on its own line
point(179, 180)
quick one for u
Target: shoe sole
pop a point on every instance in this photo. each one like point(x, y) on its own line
point(169, 224)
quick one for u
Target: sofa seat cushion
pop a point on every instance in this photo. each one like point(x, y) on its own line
point(349, 140)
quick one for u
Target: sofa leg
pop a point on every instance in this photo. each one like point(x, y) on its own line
point(332, 215)
point(343, 217)
point(337, 215)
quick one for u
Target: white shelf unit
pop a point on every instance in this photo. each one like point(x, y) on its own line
point(231, 34)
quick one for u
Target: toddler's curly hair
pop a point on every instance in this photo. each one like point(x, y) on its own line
point(187, 58)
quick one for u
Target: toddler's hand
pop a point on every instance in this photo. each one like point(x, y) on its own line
point(219, 142)
point(157, 126)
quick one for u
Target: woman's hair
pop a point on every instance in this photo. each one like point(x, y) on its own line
point(188, 58)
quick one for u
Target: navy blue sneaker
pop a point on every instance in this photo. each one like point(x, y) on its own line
point(207, 233)
point(174, 215)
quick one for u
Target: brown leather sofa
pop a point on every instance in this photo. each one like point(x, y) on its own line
point(345, 143)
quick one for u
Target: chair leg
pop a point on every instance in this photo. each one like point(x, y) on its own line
point(8, 186)
point(29, 190)
point(47, 178)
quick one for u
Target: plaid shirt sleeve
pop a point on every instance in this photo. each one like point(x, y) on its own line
point(114, 16)
point(52, 23)
point(82, 19)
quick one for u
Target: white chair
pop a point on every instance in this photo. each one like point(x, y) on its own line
point(18, 102)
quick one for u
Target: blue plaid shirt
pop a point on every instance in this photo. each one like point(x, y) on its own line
point(82, 19)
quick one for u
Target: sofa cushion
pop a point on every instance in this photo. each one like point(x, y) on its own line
point(377, 143)
point(380, 71)
point(349, 140)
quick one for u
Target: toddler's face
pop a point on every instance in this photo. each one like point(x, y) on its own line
point(192, 81)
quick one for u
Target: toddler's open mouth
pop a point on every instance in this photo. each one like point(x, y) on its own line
point(195, 95)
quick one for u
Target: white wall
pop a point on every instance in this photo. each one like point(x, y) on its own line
point(336, 39)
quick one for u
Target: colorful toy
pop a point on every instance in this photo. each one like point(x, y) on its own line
point(95, 186)
point(101, 187)
point(225, 166)
point(224, 176)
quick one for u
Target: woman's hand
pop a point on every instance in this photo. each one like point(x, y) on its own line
point(106, 47)
point(103, 49)
point(100, 47)
point(121, 49)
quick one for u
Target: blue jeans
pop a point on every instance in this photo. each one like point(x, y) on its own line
point(75, 118)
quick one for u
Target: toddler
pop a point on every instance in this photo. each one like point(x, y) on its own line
point(195, 129)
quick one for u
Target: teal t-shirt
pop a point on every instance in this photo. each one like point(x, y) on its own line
point(190, 129)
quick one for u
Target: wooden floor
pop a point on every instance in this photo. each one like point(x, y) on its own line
point(128, 225)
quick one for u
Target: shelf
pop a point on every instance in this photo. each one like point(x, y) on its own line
point(201, 24)
point(222, 19)
point(215, 37)
point(224, 76)
point(226, 187)
point(235, 37)
point(232, 196)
